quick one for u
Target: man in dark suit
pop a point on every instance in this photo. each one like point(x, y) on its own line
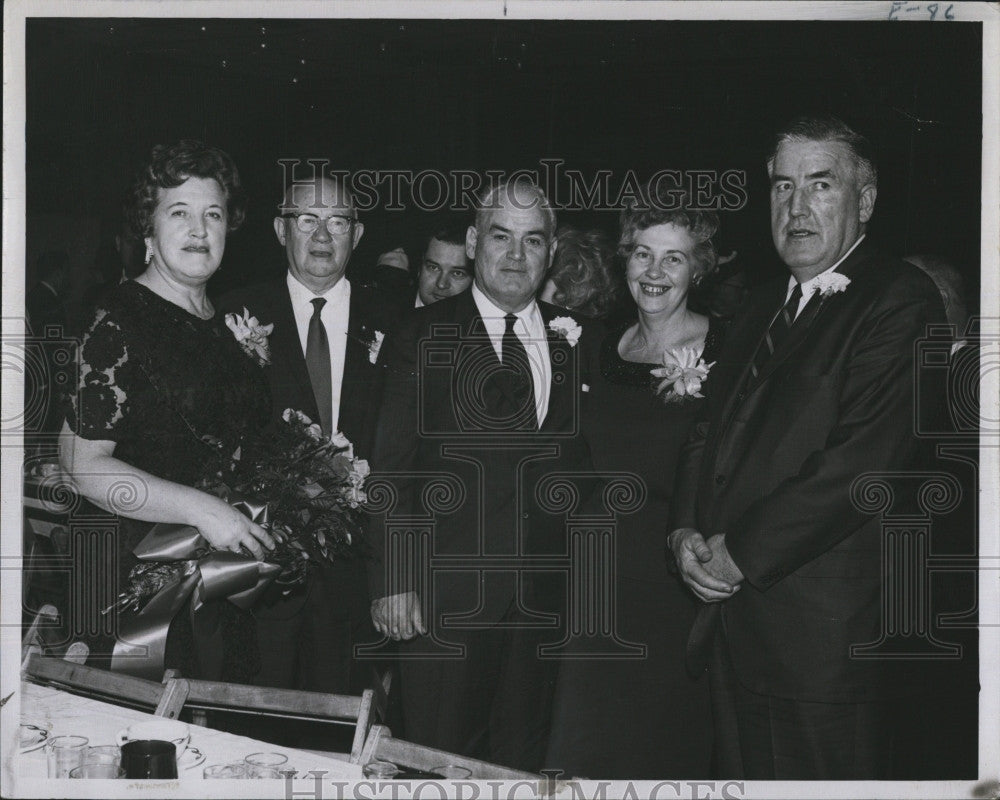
point(480, 399)
point(323, 348)
point(815, 388)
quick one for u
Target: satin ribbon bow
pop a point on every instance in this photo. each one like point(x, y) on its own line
point(216, 575)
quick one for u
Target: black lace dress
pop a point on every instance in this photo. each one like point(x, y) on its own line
point(646, 717)
point(155, 379)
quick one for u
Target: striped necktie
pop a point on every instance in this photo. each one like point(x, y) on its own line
point(778, 331)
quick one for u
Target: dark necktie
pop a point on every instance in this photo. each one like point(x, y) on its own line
point(515, 361)
point(778, 332)
point(318, 364)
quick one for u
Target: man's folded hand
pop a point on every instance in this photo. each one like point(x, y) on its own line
point(709, 579)
point(398, 616)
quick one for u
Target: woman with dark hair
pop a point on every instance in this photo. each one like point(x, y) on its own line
point(580, 278)
point(161, 380)
point(644, 716)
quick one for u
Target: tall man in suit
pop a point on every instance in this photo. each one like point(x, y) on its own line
point(815, 387)
point(322, 363)
point(481, 395)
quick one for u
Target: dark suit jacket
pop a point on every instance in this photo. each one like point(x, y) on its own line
point(287, 374)
point(441, 391)
point(773, 470)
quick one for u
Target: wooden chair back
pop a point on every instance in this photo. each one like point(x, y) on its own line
point(341, 709)
point(45, 636)
point(35, 639)
point(381, 746)
point(112, 687)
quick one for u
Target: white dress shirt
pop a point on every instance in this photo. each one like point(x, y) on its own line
point(530, 329)
point(335, 315)
point(809, 286)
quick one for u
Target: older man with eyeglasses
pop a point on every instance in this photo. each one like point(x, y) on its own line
point(321, 365)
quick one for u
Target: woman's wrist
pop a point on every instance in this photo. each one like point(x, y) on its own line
point(196, 506)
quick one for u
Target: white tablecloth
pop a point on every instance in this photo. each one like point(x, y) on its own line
point(65, 713)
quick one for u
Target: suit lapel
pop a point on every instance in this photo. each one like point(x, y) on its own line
point(814, 309)
point(751, 333)
point(798, 332)
point(562, 386)
point(354, 391)
point(747, 337)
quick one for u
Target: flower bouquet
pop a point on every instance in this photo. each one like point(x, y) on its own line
point(304, 488)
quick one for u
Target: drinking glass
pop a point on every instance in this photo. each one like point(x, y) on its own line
point(264, 772)
point(226, 771)
point(103, 754)
point(266, 759)
point(380, 770)
point(97, 770)
point(452, 772)
point(65, 753)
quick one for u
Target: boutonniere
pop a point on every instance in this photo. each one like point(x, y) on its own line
point(682, 374)
point(372, 340)
point(374, 345)
point(251, 336)
point(568, 328)
point(830, 283)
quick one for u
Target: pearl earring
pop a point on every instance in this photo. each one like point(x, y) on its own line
point(149, 252)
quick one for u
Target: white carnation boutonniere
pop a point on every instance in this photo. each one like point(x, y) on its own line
point(830, 283)
point(374, 345)
point(682, 374)
point(568, 328)
point(251, 336)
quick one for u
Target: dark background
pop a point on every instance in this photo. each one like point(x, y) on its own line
point(414, 94)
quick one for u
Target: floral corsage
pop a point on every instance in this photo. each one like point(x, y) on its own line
point(251, 336)
point(682, 374)
point(831, 283)
point(568, 328)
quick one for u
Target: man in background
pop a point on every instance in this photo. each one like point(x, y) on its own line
point(444, 268)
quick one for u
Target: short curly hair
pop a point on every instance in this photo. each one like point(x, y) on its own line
point(169, 166)
point(581, 272)
point(651, 211)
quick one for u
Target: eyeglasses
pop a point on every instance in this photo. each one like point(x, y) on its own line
point(336, 225)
